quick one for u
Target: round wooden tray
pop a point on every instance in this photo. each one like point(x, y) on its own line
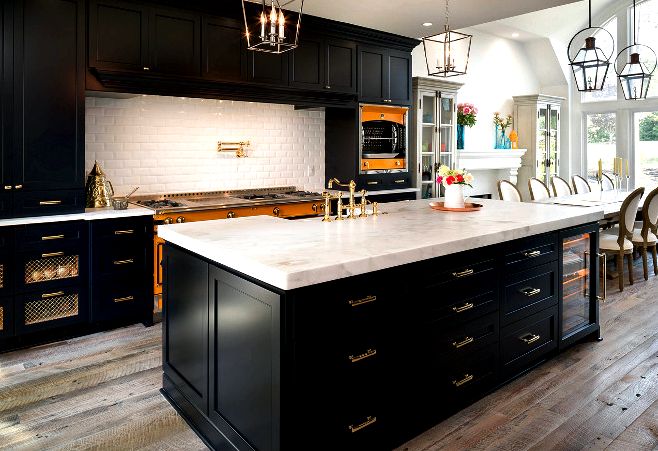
point(467, 207)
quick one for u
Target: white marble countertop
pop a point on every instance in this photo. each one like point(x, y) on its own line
point(90, 214)
point(290, 254)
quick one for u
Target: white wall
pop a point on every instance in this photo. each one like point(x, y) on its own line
point(169, 144)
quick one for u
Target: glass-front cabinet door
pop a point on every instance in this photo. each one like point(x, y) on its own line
point(553, 133)
point(542, 120)
point(428, 124)
point(579, 283)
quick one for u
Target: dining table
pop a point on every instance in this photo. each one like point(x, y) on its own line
point(609, 201)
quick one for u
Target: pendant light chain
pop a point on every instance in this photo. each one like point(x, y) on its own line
point(634, 24)
point(590, 13)
point(447, 27)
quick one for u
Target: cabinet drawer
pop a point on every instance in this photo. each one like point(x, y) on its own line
point(38, 270)
point(465, 339)
point(120, 260)
point(531, 252)
point(399, 181)
point(44, 203)
point(525, 342)
point(475, 274)
point(117, 298)
point(528, 292)
point(6, 317)
point(456, 310)
point(465, 378)
point(49, 309)
point(47, 237)
point(119, 232)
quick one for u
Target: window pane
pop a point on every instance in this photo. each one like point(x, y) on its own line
point(647, 34)
point(609, 91)
point(646, 156)
point(601, 143)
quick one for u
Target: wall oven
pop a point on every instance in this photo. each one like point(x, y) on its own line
point(384, 143)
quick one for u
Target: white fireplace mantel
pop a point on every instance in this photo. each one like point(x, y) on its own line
point(495, 159)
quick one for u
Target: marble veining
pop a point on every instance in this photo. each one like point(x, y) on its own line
point(290, 254)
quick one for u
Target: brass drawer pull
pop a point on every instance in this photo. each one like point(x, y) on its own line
point(463, 308)
point(124, 262)
point(369, 421)
point(366, 300)
point(52, 295)
point(399, 181)
point(530, 291)
point(532, 254)
point(465, 273)
point(52, 254)
point(466, 341)
point(127, 298)
point(7, 187)
point(124, 232)
point(50, 202)
point(369, 353)
point(52, 237)
point(467, 379)
point(530, 338)
point(372, 183)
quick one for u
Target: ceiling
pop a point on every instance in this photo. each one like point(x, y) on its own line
point(405, 17)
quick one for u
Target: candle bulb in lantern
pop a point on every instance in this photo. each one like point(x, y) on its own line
point(628, 169)
point(273, 20)
point(600, 173)
point(263, 20)
point(282, 21)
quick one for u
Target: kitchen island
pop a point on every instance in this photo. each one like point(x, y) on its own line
point(360, 334)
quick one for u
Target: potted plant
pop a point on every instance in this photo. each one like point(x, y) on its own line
point(466, 117)
point(454, 180)
point(502, 142)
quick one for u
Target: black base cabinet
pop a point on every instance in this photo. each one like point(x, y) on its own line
point(366, 362)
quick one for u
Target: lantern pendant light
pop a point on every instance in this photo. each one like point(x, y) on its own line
point(268, 32)
point(590, 63)
point(636, 74)
point(447, 53)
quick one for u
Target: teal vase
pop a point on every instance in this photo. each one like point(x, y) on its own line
point(460, 137)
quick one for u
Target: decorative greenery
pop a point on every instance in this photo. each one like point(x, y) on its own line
point(449, 177)
point(466, 113)
point(503, 123)
point(649, 128)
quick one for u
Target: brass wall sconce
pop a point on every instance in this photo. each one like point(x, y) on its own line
point(237, 146)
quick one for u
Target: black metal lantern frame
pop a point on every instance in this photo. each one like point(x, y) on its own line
point(447, 53)
point(590, 64)
point(269, 32)
point(635, 75)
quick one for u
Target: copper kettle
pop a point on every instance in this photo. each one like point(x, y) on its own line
point(99, 190)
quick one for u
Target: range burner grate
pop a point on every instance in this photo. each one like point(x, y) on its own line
point(159, 203)
point(261, 196)
point(303, 194)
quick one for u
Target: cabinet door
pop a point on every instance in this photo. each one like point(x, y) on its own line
point(340, 66)
point(6, 317)
point(307, 65)
point(224, 50)
point(49, 95)
point(174, 45)
point(6, 64)
point(118, 36)
point(373, 75)
point(268, 68)
point(399, 78)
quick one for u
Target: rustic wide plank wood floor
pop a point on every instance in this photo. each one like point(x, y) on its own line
point(101, 392)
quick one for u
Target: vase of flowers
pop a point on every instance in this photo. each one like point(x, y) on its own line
point(502, 142)
point(466, 117)
point(453, 181)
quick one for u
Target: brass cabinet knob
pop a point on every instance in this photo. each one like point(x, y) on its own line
point(276, 211)
point(18, 187)
point(180, 219)
point(146, 68)
point(230, 215)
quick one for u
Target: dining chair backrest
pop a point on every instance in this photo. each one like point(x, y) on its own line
point(538, 190)
point(508, 191)
point(560, 187)
point(627, 215)
point(606, 183)
point(580, 185)
point(650, 214)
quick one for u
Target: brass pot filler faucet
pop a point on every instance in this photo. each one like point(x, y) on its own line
point(351, 206)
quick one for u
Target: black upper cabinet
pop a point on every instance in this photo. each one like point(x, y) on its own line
point(48, 143)
point(268, 68)
point(340, 66)
point(307, 65)
point(6, 52)
point(175, 43)
point(118, 36)
point(224, 52)
point(384, 76)
point(133, 37)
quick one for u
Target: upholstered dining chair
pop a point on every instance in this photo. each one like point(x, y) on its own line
point(560, 187)
point(621, 244)
point(538, 190)
point(580, 185)
point(608, 184)
point(508, 191)
point(645, 237)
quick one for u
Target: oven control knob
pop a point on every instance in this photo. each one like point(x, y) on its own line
point(180, 219)
point(230, 215)
point(168, 221)
point(276, 211)
point(314, 207)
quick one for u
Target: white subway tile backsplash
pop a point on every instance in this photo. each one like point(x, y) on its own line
point(170, 144)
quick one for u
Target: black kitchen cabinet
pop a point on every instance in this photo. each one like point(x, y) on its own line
point(48, 110)
point(268, 68)
point(224, 51)
point(139, 38)
point(307, 63)
point(384, 76)
point(324, 64)
point(340, 66)
point(6, 64)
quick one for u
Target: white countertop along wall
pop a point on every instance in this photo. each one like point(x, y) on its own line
point(90, 214)
point(293, 254)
